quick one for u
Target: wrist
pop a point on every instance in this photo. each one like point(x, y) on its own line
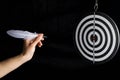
point(23, 58)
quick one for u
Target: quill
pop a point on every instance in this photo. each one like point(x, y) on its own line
point(22, 34)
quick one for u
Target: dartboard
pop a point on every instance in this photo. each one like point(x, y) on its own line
point(106, 37)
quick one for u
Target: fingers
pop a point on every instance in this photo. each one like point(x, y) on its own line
point(34, 42)
point(42, 39)
point(38, 40)
point(39, 44)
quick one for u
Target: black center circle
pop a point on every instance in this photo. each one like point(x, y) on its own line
point(93, 38)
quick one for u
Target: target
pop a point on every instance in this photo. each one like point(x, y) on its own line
point(105, 37)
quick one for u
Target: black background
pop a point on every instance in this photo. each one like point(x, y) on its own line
point(57, 19)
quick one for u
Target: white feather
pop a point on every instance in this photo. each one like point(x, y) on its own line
point(22, 34)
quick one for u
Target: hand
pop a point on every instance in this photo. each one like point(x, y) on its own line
point(29, 46)
point(12, 63)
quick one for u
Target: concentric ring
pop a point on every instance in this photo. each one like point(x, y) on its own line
point(106, 37)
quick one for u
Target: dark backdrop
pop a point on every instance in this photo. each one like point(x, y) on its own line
point(57, 19)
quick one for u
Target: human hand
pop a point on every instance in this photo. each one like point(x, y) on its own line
point(30, 45)
point(12, 63)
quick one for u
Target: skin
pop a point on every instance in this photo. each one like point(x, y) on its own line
point(13, 63)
